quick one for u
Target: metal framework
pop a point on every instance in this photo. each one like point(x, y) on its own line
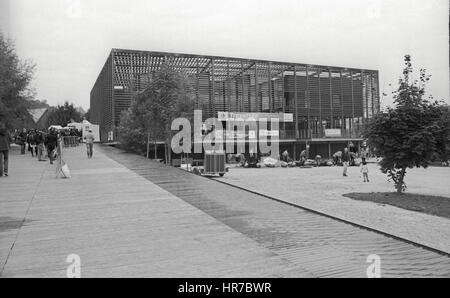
point(319, 96)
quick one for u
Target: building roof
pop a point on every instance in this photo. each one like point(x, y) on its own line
point(132, 65)
point(37, 114)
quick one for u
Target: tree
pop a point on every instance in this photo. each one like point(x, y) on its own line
point(444, 140)
point(413, 133)
point(87, 115)
point(168, 96)
point(15, 77)
point(63, 115)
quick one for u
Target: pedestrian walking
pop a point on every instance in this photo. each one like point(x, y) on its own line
point(51, 142)
point(5, 140)
point(365, 171)
point(21, 141)
point(345, 161)
point(31, 139)
point(40, 145)
point(89, 138)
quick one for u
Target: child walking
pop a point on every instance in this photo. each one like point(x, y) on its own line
point(365, 171)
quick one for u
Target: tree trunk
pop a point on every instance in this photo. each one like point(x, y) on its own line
point(169, 153)
point(165, 154)
point(148, 145)
point(400, 181)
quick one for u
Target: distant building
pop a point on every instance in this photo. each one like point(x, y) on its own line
point(324, 106)
point(40, 117)
point(81, 111)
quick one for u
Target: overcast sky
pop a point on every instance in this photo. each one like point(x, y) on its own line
point(69, 40)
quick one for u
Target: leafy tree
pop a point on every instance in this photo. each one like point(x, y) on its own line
point(15, 77)
point(444, 139)
point(63, 115)
point(413, 133)
point(168, 96)
point(87, 115)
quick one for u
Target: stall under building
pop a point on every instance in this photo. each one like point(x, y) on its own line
point(324, 106)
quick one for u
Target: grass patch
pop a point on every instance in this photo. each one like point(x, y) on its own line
point(434, 205)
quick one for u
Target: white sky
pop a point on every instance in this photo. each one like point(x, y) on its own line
point(70, 46)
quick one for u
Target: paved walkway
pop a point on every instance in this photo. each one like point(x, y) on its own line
point(120, 224)
point(321, 189)
point(322, 246)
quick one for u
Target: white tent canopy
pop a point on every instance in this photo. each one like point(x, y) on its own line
point(85, 126)
point(58, 127)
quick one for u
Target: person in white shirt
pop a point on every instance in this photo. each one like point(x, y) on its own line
point(365, 171)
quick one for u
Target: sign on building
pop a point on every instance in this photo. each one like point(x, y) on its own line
point(333, 133)
point(238, 116)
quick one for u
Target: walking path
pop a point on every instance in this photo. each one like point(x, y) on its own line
point(120, 224)
point(126, 216)
point(323, 246)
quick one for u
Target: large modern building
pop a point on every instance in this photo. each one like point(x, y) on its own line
point(329, 105)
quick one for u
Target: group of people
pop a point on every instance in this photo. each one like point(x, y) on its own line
point(38, 142)
point(346, 158)
point(42, 144)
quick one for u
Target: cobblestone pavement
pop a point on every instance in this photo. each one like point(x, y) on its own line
point(323, 246)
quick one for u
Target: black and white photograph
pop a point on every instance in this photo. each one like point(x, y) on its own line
point(224, 146)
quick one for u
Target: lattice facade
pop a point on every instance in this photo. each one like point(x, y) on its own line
point(320, 97)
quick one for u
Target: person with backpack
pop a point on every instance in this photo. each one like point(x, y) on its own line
point(51, 142)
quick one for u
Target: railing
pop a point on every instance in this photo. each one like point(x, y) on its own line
point(71, 141)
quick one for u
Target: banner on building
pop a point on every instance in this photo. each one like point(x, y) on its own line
point(238, 116)
point(333, 133)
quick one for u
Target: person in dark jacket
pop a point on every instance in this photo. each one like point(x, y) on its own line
point(51, 142)
point(21, 141)
point(5, 140)
point(31, 139)
point(40, 145)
